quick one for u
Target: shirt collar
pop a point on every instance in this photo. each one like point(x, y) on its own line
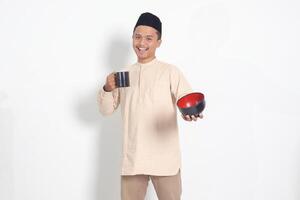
point(148, 63)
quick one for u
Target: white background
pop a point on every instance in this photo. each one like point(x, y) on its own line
point(243, 55)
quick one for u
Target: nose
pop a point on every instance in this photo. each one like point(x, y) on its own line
point(142, 41)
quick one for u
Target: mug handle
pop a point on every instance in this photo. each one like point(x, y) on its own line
point(116, 79)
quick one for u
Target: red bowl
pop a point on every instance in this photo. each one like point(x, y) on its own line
point(191, 104)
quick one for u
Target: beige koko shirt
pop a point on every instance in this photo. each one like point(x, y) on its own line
point(148, 108)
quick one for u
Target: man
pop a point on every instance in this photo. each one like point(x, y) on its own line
point(148, 107)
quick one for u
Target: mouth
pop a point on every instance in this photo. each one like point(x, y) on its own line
point(142, 49)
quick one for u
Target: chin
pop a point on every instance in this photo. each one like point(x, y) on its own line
point(142, 57)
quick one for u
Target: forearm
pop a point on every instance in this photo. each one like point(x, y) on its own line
point(108, 101)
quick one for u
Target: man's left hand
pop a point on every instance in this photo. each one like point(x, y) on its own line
point(192, 117)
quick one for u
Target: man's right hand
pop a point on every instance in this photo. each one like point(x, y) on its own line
point(110, 84)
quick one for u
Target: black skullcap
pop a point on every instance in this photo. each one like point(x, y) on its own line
point(148, 19)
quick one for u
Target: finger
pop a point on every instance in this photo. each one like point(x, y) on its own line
point(109, 75)
point(188, 118)
point(194, 118)
point(111, 86)
point(185, 117)
point(111, 82)
point(111, 78)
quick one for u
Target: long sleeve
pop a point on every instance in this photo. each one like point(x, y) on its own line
point(179, 85)
point(108, 101)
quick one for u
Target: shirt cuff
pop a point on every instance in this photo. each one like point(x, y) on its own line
point(104, 93)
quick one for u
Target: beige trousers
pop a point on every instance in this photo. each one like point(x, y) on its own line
point(166, 187)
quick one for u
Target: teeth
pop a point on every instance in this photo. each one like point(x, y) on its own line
point(142, 49)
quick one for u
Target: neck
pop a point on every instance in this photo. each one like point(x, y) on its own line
point(143, 61)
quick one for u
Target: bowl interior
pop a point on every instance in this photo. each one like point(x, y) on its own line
point(190, 100)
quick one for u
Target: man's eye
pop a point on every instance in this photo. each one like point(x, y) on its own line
point(149, 39)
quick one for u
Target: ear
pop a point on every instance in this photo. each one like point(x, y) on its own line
point(159, 43)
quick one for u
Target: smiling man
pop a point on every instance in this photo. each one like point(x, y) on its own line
point(151, 149)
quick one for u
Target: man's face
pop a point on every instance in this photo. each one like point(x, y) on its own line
point(145, 41)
